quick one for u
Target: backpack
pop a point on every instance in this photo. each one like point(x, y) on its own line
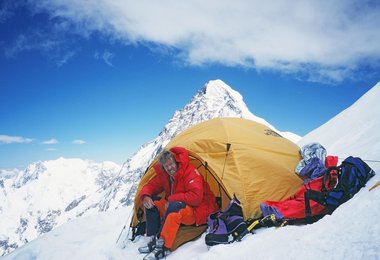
point(352, 175)
point(225, 226)
point(292, 209)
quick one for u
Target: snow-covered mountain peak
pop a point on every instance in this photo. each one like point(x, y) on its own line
point(216, 89)
point(217, 95)
point(31, 173)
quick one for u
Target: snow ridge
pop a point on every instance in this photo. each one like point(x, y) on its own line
point(361, 118)
point(48, 194)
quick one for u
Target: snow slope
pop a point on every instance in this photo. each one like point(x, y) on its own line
point(354, 131)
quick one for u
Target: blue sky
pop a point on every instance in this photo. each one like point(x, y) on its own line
point(97, 79)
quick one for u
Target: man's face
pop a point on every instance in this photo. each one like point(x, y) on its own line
point(170, 166)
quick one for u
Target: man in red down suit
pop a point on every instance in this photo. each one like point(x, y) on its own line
point(188, 200)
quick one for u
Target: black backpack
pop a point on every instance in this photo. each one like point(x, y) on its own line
point(225, 226)
point(352, 175)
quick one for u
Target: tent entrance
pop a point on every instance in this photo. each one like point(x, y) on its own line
point(222, 196)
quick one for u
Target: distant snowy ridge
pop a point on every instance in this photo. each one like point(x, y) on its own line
point(356, 128)
point(7, 174)
point(51, 193)
point(47, 194)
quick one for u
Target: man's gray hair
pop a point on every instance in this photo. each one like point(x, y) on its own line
point(165, 156)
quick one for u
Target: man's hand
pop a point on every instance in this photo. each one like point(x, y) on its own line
point(148, 202)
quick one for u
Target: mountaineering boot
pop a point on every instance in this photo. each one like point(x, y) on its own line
point(157, 253)
point(149, 247)
point(271, 220)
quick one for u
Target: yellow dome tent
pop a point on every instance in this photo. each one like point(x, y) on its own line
point(235, 156)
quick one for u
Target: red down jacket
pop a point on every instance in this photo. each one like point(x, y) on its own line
point(188, 187)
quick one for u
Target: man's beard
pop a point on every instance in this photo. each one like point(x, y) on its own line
point(172, 171)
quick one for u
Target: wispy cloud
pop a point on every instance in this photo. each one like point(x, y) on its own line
point(7, 9)
point(78, 141)
point(51, 41)
point(20, 44)
point(50, 141)
point(106, 57)
point(7, 139)
point(64, 58)
point(322, 39)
